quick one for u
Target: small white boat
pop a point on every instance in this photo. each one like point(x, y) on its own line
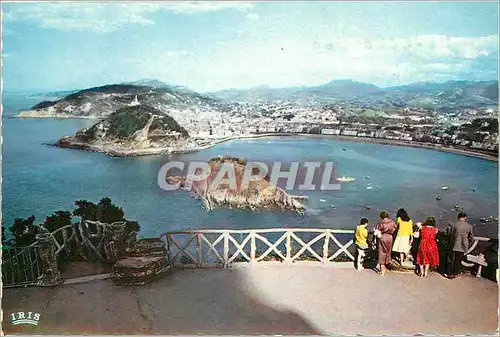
point(322, 200)
point(346, 179)
point(369, 187)
point(444, 188)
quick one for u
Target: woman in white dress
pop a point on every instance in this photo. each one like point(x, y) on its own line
point(404, 238)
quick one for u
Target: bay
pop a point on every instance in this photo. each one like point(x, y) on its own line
point(39, 179)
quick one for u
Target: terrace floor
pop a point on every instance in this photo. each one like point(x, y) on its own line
point(263, 299)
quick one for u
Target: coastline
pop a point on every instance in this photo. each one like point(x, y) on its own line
point(55, 117)
point(117, 152)
point(381, 141)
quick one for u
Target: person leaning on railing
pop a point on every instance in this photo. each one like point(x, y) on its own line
point(361, 242)
point(461, 237)
point(428, 254)
point(383, 231)
point(403, 242)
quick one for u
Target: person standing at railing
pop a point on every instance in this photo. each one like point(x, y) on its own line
point(383, 232)
point(402, 244)
point(361, 242)
point(461, 237)
point(428, 254)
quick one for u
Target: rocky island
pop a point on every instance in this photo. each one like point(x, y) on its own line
point(132, 130)
point(259, 194)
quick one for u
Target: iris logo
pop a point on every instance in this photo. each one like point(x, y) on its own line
point(22, 317)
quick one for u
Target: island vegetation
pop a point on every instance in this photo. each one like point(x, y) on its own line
point(132, 130)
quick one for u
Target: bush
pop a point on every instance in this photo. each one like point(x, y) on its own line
point(24, 232)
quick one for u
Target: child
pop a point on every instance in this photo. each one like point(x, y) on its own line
point(361, 242)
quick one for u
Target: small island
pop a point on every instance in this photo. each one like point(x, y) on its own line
point(259, 194)
point(131, 131)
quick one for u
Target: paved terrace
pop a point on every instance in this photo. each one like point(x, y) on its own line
point(263, 300)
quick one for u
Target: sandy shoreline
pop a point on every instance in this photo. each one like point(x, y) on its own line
point(376, 141)
point(156, 151)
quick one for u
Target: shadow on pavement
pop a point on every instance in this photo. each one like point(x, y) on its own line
point(183, 302)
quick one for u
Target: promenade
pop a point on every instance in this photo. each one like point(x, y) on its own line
point(263, 299)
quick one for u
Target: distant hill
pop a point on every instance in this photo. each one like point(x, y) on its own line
point(158, 84)
point(104, 100)
point(55, 94)
point(447, 95)
point(329, 92)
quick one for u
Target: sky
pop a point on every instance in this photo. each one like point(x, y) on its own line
point(210, 46)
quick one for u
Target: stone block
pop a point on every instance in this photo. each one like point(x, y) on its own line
point(147, 247)
point(138, 270)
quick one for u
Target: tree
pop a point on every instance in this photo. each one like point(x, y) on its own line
point(24, 231)
point(105, 211)
point(57, 220)
point(85, 209)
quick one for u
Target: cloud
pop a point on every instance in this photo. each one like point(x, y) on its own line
point(252, 16)
point(102, 17)
point(288, 61)
point(206, 6)
point(176, 54)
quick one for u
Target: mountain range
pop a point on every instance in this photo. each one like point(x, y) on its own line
point(451, 94)
point(102, 101)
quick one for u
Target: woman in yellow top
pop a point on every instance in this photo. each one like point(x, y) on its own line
point(361, 242)
point(404, 238)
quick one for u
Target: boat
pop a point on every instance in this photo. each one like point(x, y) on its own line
point(444, 188)
point(346, 179)
point(323, 200)
point(490, 219)
point(369, 187)
point(344, 149)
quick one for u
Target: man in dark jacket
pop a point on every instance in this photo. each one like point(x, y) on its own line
point(461, 236)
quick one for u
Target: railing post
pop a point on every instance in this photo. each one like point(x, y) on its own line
point(66, 244)
point(200, 255)
point(226, 249)
point(49, 268)
point(326, 246)
point(169, 250)
point(288, 247)
point(253, 248)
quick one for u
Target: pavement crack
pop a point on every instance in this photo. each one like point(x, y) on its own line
point(142, 311)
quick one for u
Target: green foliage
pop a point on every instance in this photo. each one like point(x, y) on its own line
point(57, 220)
point(85, 209)
point(24, 232)
point(104, 211)
point(124, 122)
point(167, 123)
point(132, 226)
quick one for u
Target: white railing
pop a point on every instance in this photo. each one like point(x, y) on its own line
point(203, 248)
point(469, 254)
